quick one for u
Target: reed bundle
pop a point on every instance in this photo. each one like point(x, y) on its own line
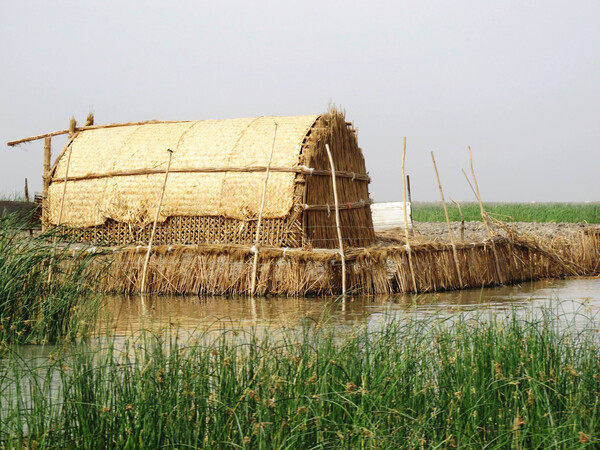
point(320, 225)
point(382, 269)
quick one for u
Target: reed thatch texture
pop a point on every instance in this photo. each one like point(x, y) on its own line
point(221, 269)
point(355, 213)
point(218, 144)
point(113, 175)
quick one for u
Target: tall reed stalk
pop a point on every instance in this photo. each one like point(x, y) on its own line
point(33, 310)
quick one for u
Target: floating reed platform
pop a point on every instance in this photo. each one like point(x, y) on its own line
point(265, 205)
point(380, 269)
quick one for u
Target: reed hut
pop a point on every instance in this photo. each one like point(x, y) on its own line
point(106, 183)
point(209, 193)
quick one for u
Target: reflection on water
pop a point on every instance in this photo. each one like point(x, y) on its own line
point(126, 314)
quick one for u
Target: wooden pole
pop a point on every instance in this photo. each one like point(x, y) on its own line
point(406, 234)
point(481, 209)
point(409, 195)
point(60, 213)
point(162, 194)
point(46, 181)
point(337, 218)
point(26, 191)
point(62, 200)
point(454, 252)
point(72, 126)
point(485, 219)
point(89, 127)
point(35, 138)
point(27, 201)
point(297, 169)
point(260, 213)
point(469, 181)
point(462, 220)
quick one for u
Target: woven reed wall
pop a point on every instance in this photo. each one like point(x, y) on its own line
point(284, 232)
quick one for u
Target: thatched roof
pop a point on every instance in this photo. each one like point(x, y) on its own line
point(117, 172)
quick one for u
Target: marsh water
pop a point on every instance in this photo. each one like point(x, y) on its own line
point(575, 300)
point(124, 316)
point(127, 314)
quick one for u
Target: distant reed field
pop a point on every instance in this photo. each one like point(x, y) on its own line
point(479, 381)
point(15, 196)
point(518, 212)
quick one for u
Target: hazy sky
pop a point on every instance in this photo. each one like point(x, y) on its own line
point(518, 81)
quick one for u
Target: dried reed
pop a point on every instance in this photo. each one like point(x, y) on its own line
point(383, 269)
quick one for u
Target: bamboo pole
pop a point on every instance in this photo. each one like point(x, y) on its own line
point(485, 219)
point(46, 180)
point(406, 234)
point(454, 252)
point(260, 213)
point(337, 218)
point(162, 194)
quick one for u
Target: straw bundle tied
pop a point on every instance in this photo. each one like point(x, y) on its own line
point(220, 269)
point(356, 222)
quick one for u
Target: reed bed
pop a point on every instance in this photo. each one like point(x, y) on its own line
point(518, 212)
point(14, 196)
point(383, 269)
point(465, 381)
point(44, 287)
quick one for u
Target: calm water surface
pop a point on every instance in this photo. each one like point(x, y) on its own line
point(126, 314)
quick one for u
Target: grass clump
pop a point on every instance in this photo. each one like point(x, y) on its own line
point(518, 212)
point(411, 383)
point(44, 287)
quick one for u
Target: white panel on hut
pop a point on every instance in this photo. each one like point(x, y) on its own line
point(390, 215)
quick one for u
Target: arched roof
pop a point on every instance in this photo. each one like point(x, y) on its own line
point(217, 169)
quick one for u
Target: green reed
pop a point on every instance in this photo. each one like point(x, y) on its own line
point(519, 212)
point(481, 381)
point(44, 286)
